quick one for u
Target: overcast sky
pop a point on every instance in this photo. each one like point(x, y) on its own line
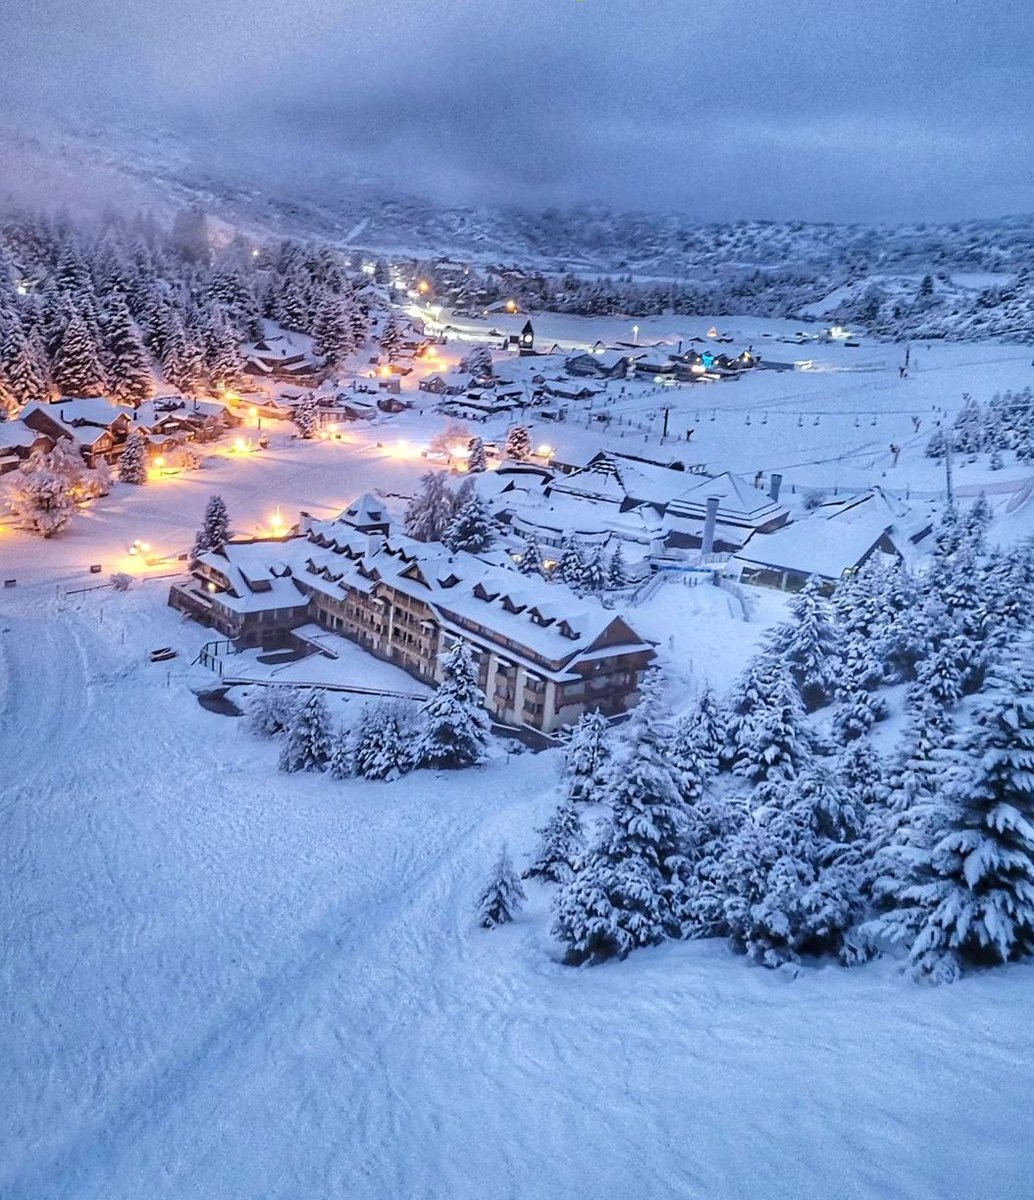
point(870, 110)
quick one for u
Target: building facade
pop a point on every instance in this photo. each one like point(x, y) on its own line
point(544, 655)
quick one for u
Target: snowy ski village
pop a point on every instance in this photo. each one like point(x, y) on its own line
point(509, 701)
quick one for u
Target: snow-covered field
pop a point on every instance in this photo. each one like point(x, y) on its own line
point(222, 982)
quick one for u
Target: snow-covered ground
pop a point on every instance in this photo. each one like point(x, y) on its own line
point(220, 981)
point(223, 982)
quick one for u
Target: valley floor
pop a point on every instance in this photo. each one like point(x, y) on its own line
point(223, 982)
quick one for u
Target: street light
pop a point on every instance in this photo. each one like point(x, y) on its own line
point(635, 334)
point(256, 416)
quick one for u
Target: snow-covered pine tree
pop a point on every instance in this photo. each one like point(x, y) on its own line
point(587, 757)
point(621, 897)
point(478, 460)
point(570, 564)
point(503, 896)
point(562, 842)
point(857, 710)
point(333, 338)
point(306, 416)
point(429, 511)
point(22, 368)
point(477, 362)
point(270, 710)
point(809, 644)
point(129, 372)
point(965, 895)
point(697, 742)
point(222, 357)
point(593, 578)
point(766, 735)
point(341, 764)
point(470, 528)
point(308, 740)
point(77, 364)
point(518, 443)
point(794, 879)
point(391, 339)
point(531, 560)
point(381, 742)
point(617, 573)
point(215, 528)
point(132, 463)
point(453, 726)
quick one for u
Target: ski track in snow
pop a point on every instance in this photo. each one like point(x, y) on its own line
point(222, 982)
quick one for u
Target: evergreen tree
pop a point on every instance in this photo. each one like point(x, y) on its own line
point(333, 338)
point(215, 528)
point(809, 645)
point(622, 894)
point(478, 460)
point(77, 365)
point(617, 574)
point(697, 743)
point(570, 564)
point(428, 513)
point(341, 764)
point(593, 578)
point(561, 846)
point(518, 443)
point(21, 368)
point(132, 463)
point(222, 354)
point(766, 737)
point(965, 894)
point(391, 339)
point(129, 373)
point(477, 362)
point(308, 740)
point(794, 883)
point(380, 744)
point(270, 710)
point(587, 758)
point(856, 712)
point(503, 897)
point(469, 529)
point(454, 726)
point(531, 560)
point(306, 416)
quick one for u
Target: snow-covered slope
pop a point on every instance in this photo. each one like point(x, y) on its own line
point(227, 984)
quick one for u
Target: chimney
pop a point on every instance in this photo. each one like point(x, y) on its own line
point(775, 485)
point(707, 546)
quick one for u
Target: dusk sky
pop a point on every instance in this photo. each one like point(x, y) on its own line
point(887, 110)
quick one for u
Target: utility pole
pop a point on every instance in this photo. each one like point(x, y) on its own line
point(947, 470)
point(664, 432)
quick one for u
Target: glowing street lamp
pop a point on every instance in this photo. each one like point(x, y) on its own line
point(635, 334)
point(256, 416)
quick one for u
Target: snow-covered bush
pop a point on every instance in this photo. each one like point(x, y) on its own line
point(270, 710)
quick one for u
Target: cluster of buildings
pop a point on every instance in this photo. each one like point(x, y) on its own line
point(544, 655)
point(659, 363)
point(664, 514)
point(100, 427)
